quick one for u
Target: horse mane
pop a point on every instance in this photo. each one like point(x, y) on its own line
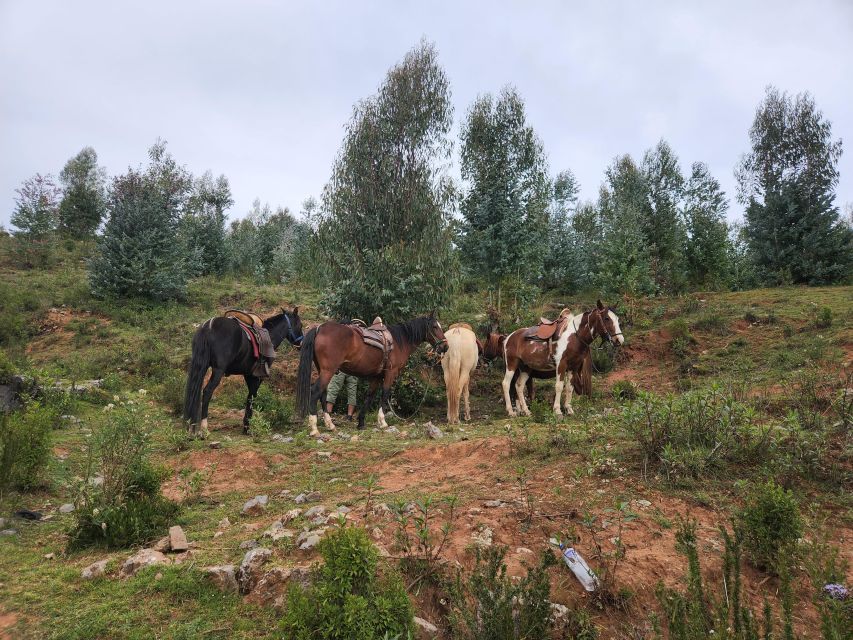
point(274, 321)
point(412, 331)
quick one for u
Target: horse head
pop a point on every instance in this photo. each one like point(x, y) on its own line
point(436, 335)
point(606, 324)
point(291, 325)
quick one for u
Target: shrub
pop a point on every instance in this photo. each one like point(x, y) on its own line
point(259, 427)
point(348, 600)
point(7, 369)
point(602, 359)
point(25, 438)
point(276, 407)
point(171, 392)
point(625, 390)
point(491, 606)
point(771, 524)
point(686, 435)
point(823, 318)
point(418, 385)
point(124, 506)
point(712, 323)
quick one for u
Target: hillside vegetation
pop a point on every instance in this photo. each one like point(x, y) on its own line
point(642, 481)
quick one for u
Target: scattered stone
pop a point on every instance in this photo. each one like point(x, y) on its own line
point(523, 550)
point(224, 577)
point(558, 611)
point(249, 544)
point(353, 438)
point(382, 510)
point(277, 437)
point(178, 539)
point(645, 504)
point(249, 572)
point(315, 511)
point(323, 437)
point(483, 537)
point(162, 545)
point(256, 506)
point(291, 515)
point(313, 496)
point(381, 550)
point(343, 509)
point(310, 542)
point(376, 533)
point(493, 504)
point(72, 419)
point(49, 556)
point(392, 430)
point(142, 558)
point(300, 499)
point(426, 625)
point(432, 431)
point(66, 508)
point(97, 481)
point(95, 570)
point(324, 454)
point(271, 590)
point(80, 386)
point(215, 444)
point(284, 493)
point(277, 531)
point(8, 532)
point(217, 534)
point(224, 523)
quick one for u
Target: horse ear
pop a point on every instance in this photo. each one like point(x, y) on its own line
point(296, 311)
point(432, 314)
point(599, 305)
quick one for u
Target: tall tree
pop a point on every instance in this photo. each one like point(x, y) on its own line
point(787, 182)
point(384, 233)
point(661, 219)
point(708, 247)
point(562, 262)
point(203, 223)
point(505, 208)
point(36, 207)
point(623, 256)
point(83, 199)
point(140, 253)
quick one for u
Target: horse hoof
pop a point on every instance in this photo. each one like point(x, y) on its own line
point(314, 433)
point(570, 411)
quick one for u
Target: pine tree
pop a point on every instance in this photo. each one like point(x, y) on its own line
point(385, 234)
point(83, 200)
point(708, 249)
point(140, 253)
point(787, 182)
point(505, 207)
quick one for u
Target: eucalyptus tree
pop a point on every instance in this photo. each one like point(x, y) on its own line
point(787, 182)
point(384, 231)
point(708, 248)
point(83, 195)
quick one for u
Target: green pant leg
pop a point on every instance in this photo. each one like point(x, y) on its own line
point(334, 388)
point(352, 390)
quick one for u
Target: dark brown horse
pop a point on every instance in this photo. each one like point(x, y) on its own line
point(333, 346)
point(569, 354)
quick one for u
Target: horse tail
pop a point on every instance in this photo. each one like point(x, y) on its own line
point(452, 365)
point(586, 375)
point(195, 376)
point(303, 375)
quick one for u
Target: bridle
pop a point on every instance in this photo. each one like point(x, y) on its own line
point(605, 336)
point(291, 335)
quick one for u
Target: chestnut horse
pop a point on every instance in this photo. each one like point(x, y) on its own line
point(569, 354)
point(333, 346)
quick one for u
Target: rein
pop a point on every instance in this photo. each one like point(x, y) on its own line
point(292, 338)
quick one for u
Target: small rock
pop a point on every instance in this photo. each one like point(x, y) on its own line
point(343, 509)
point(178, 539)
point(249, 544)
point(217, 534)
point(49, 556)
point(249, 572)
point(324, 454)
point(432, 431)
point(216, 444)
point(483, 537)
point(142, 558)
point(66, 508)
point(392, 430)
point(323, 437)
point(382, 510)
point(224, 523)
point(427, 626)
point(558, 611)
point(493, 504)
point(162, 545)
point(523, 550)
point(277, 531)
point(353, 438)
point(97, 481)
point(271, 589)
point(255, 506)
point(376, 533)
point(644, 503)
point(310, 542)
point(284, 493)
point(8, 532)
point(291, 515)
point(223, 576)
point(94, 570)
point(314, 511)
point(300, 499)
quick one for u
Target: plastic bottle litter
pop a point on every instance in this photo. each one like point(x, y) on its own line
point(579, 567)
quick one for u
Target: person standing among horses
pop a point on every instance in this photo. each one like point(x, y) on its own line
point(339, 381)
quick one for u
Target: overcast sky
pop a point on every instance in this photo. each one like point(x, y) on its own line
point(260, 91)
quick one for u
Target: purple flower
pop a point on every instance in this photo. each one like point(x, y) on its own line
point(836, 591)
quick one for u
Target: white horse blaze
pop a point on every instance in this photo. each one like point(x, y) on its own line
point(619, 337)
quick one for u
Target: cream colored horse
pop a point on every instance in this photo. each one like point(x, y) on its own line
point(458, 363)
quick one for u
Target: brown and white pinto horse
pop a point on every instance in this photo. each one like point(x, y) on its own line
point(534, 358)
point(333, 346)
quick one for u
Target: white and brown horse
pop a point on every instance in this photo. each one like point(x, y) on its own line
point(458, 362)
point(565, 354)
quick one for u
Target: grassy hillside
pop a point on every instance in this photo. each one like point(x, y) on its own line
point(779, 358)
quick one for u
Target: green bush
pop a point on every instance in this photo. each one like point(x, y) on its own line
point(25, 438)
point(491, 606)
point(698, 431)
point(124, 506)
point(712, 323)
point(275, 405)
point(348, 600)
point(259, 427)
point(7, 369)
point(771, 524)
point(171, 391)
point(823, 318)
point(418, 385)
point(625, 390)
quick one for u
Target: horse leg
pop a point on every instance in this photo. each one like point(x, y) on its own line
point(507, 381)
point(385, 398)
point(466, 388)
point(215, 379)
point(368, 400)
point(558, 393)
point(318, 393)
point(253, 383)
point(570, 390)
point(519, 390)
